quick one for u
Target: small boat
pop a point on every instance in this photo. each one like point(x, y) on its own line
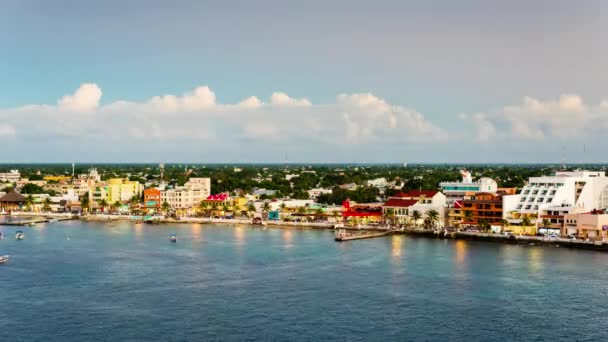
point(3, 259)
point(19, 235)
point(1, 236)
point(173, 238)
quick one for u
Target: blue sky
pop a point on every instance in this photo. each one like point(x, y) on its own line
point(424, 81)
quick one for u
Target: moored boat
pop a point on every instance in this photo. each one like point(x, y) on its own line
point(3, 259)
point(19, 235)
point(173, 238)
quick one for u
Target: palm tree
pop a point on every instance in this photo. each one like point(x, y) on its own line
point(103, 203)
point(525, 222)
point(283, 206)
point(165, 207)
point(546, 225)
point(301, 210)
point(237, 210)
point(266, 207)
point(390, 214)
point(85, 202)
point(433, 217)
point(29, 202)
point(250, 208)
point(505, 224)
point(133, 202)
point(467, 216)
point(47, 204)
point(483, 224)
point(416, 216)
point(225, 208)
point(116, 206)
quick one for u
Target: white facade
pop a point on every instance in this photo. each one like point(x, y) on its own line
point(314, 193)
point(455, 191)
point(11, 176)
point(188, 196)
point(578, 189)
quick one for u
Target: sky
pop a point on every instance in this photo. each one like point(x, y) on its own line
point(307, 81)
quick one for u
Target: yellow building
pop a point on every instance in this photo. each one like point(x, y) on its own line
point(57, 178)
point(122, 190)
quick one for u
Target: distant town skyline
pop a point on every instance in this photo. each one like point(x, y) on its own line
point(314, 82)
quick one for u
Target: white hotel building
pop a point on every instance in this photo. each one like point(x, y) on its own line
point(188, 196)
point(551, 197)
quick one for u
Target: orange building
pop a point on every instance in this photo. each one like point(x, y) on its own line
point(152, 200)
point(482, 206)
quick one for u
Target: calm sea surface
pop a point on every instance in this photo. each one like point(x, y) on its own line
point(76, 281)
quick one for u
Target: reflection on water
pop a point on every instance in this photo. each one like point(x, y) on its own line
point(461, 249)
point(239, 235)
point(535, 259)
point(396, 247)
point(196, 230)
point(287, 238)
point(139, 230)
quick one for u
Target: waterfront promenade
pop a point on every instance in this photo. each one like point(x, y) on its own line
point(412, 231)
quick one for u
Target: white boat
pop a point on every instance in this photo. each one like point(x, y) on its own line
point(173, 238)
point(19, 235)
point(3, 259)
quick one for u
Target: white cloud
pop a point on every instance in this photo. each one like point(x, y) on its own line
point(195, 119)
point(282, 99)
point(7, 130)
point(85, 99)
point(198, 99)
point(250, 102)
point(566, 117)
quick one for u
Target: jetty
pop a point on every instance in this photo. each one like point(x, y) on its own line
point(343, 235)
point(19, 221)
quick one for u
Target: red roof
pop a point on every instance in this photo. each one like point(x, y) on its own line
point(397, 202)
point(218, 197)
point(417, 193)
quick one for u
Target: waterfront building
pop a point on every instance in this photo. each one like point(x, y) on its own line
point(361, 213)
point(188, 197)
point(122, 190)
point(456, 191)
point(11, 201)
point(399, 208)
point(11, 177)
point(483, 207)
point(590, 225)
point(558, 195)
point(152, 200)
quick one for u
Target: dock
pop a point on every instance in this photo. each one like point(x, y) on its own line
point(342, 235)
point(33, 221)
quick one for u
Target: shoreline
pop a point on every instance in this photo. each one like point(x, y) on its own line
point(414, 232)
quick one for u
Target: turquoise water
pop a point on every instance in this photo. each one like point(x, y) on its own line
point(76, 281)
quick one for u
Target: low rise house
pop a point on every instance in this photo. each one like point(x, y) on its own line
point(592, 225)
point(401, 207)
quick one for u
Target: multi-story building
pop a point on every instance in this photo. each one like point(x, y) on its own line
point(455, 193)
point(186, 198)
point(11, 176)
point(80, 188)
point(400, 207)
point(122, 190)
point(152, 200)
point(559, 194)
point(483, 207)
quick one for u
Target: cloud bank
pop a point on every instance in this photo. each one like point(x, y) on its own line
point(196, 124)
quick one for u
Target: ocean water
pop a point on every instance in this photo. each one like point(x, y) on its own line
point(77, 281)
